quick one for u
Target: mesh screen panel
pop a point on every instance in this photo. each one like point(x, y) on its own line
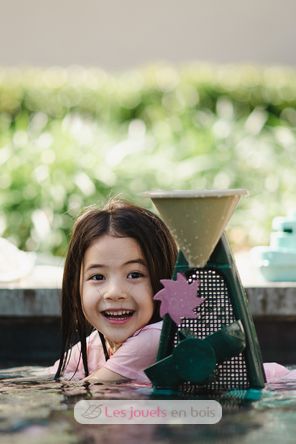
point(215, 312)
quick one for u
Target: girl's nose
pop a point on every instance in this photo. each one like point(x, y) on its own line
point(115, 291)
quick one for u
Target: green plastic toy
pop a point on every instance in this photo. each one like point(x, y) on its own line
point(216, 348)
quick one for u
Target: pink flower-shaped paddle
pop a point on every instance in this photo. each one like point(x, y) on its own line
point(178, 298)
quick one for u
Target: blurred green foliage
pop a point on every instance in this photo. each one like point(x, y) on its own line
point(72, 138)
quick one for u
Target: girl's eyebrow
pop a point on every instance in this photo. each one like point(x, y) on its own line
point(136, 261)
point(132, 261)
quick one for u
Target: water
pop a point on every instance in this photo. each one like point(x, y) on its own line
point(36, 410)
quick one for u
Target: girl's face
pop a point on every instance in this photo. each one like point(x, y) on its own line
point(116, 291)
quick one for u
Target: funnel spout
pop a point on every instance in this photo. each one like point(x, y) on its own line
point(196, 219)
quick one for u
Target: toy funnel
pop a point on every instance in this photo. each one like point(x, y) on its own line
point(197, 218)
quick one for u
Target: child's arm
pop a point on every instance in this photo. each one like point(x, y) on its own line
point(129, 361)
point(105, 375)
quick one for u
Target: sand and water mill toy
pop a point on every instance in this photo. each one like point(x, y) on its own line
point(208, 340)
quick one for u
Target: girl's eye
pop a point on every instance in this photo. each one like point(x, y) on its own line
point(135, 275)
point(97, 277)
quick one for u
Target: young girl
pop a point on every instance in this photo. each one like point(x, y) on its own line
point(114, 264)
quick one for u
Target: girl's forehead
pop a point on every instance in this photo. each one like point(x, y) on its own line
point(113, 249)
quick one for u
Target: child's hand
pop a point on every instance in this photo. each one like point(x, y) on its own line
point(104, 375)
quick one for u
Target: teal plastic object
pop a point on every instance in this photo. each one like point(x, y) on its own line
point(163, 373)
point(195, 360)
point(251, 395)
point(192, 360)
point(225, 303)
point(228, 342)
point(277, 262)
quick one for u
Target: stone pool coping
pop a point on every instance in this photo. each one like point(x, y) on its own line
point(39, 295)
point(271, 300)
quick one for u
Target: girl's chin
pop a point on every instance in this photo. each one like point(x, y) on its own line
point(116, 341)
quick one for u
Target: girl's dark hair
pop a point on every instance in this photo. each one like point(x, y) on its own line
point(118, 218)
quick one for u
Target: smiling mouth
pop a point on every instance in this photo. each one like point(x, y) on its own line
point(118, 314)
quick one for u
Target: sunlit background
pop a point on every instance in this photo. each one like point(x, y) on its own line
point(103, 98)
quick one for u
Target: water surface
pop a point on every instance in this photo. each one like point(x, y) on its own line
point(34, 409)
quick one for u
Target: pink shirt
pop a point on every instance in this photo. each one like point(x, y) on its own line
point(136, 353)
point(275, 372)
